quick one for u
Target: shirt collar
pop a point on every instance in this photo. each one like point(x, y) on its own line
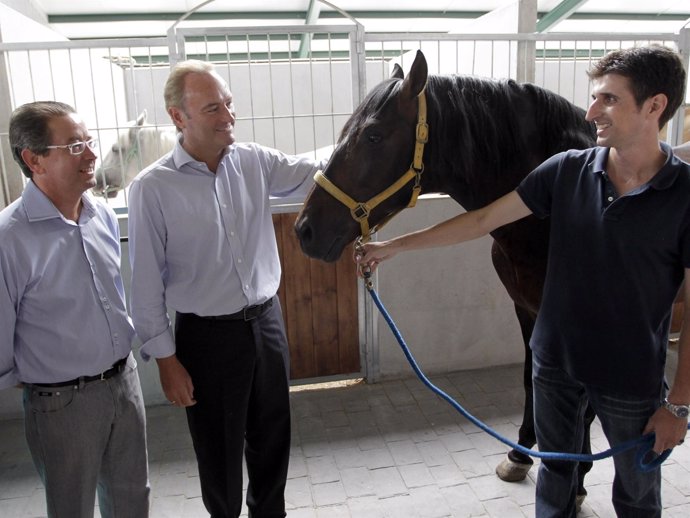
point(39, 207)
point(181, 157)
point(663, 179)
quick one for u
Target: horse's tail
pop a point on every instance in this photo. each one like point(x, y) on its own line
point(564, 123)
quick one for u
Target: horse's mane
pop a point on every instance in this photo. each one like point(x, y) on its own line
point(485, 129)
point(495, 125)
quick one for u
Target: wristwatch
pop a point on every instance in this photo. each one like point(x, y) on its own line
point(681, 411)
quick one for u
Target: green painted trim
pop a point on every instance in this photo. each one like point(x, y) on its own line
point(241, 57)
point(302, 15)
point(552, 54)
point(646, 17)
point(558, 13)
point(273, 37)
point(259, 15)
point(173, 17)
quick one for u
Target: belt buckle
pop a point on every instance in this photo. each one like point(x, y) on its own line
point(248, 313)
point(252, 312)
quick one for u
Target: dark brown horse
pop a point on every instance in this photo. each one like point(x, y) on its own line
point(484, 137)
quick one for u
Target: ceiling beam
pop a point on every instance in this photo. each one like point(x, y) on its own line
point(312, 17)
point(558, 13)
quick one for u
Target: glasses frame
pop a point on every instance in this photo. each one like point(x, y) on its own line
point(91, 144)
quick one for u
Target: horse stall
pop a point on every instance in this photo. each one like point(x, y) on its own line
point(294, 88)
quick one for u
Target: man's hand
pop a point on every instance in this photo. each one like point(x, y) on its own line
point(669, 430)
point(176, 382)
point(369, 255)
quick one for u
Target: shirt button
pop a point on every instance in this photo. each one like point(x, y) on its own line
point(610, 198)
point(239, 260)
point(232, 233)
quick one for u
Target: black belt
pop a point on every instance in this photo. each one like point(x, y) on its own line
point(248, 313)
point(117, 368)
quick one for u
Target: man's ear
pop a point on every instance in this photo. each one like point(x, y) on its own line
point(658, 104)
point(176, 116)
point(33, 161)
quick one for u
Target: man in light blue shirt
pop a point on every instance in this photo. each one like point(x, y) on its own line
point(64, 331)
point(202, 243)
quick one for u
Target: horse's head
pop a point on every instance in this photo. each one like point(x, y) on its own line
point(375, 150)
point(134, 149)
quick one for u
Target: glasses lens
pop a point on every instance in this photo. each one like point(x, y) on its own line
point(92, 143)
point(77, 148)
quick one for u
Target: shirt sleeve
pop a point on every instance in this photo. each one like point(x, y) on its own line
point(536, 189)
point(8, 318)
point(289, 175)
point(147, 258)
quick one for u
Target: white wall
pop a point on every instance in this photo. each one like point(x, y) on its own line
point(448, 303)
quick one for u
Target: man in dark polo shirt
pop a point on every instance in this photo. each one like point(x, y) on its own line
point(619, 250)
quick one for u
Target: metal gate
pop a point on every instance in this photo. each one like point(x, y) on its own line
point(294, 88)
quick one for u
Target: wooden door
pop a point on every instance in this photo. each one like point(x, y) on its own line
point(319, 303)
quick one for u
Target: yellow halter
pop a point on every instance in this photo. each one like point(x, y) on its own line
point(360, 210)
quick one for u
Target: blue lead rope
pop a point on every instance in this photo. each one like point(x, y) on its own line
point(645, 443)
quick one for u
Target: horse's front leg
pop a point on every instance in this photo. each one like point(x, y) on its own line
point(516, 465)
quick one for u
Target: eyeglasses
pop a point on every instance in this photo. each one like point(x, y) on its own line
point(77, 148)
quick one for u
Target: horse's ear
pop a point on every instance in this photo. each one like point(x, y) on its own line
point(141, 120)
point(415, 81)
point(397, 72)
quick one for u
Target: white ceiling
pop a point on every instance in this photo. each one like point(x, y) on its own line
point(141, 20)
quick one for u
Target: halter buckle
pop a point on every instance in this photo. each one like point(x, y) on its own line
point(422, 132)
point(360, 212)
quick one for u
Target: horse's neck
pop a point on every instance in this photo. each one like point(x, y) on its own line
point(440, 177)
point(153, 144)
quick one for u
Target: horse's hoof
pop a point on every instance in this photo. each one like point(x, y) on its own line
point(511, 471)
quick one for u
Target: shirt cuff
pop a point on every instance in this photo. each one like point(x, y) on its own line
point(160, 346)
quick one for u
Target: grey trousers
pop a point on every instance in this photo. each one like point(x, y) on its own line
point(90, 439)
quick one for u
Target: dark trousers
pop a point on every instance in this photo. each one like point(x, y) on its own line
point(240, 373)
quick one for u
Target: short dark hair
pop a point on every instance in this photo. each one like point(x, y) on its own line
point(29, 128)
point(651, 70)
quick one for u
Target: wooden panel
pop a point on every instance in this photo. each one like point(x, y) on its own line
point(325, 320)
point(348, 331)
point(319, 307)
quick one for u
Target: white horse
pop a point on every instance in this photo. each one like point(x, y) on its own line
point(134, 149)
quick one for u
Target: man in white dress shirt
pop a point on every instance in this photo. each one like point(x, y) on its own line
point(202, 243)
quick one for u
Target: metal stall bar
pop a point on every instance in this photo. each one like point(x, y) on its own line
point(81, 73)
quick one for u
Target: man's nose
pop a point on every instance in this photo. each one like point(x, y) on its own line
point(90, 153)
point(230, 112)
point(592, 111)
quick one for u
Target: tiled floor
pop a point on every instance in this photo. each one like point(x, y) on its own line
point(391, 449)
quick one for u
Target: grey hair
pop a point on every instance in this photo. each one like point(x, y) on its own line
point(174, 86)
point(29, 129)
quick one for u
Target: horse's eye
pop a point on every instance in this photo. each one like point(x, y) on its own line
point(374, 138)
